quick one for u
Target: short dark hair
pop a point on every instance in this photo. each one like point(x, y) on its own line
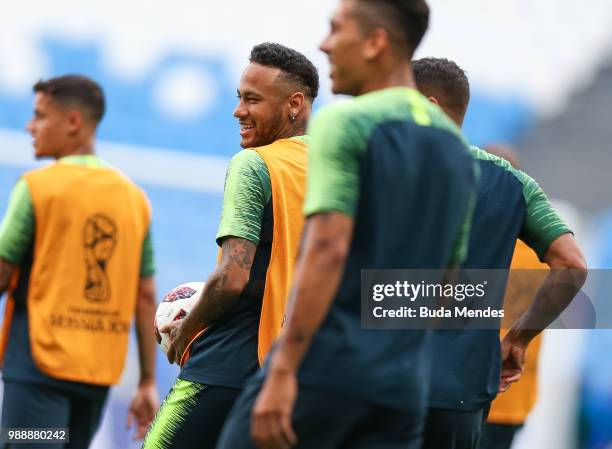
point(445, 80)
point(295, 66)
point(75, 89)
point(406, 21)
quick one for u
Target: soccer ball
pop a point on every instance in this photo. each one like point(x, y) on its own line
point(177, 303)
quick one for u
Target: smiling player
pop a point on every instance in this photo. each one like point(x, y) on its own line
point(243, 302)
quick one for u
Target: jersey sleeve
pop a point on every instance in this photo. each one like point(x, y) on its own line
point(333, 163)
point(147, 259)
point(17, 228)
point(542, 224)
point(247, 191)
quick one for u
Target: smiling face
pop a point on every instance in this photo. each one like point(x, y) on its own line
point(49, 127)
point(263, 108)
point(345, 47)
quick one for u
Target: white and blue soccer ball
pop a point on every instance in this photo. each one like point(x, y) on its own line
point(177, 303)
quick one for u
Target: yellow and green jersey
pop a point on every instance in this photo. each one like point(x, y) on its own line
point(247, 192)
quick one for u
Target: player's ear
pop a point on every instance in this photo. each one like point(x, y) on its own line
point(376, 42)
point(434, 100)
point(296, 103)
point(74, 121)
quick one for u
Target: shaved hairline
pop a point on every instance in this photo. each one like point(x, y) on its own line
point(455, 107)
point(293, 85)
point(68, 104)
point(370, 16)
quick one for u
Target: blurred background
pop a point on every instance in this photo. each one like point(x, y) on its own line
point(541, 75)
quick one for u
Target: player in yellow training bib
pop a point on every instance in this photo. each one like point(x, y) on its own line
point(77, 261)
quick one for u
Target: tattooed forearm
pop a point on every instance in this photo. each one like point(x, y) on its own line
point(239, 251)
point(225, 284)
point(217, 301)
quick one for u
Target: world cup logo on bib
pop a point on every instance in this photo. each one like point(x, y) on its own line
point(99, 240)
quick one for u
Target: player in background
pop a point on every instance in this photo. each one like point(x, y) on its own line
point(376, 165)
point(77, 261)
point(510, 205)
point(243, 302)
point(510, 408)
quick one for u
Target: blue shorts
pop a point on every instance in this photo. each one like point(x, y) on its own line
point(454, 429)
point(323, 421)
point(34, 405)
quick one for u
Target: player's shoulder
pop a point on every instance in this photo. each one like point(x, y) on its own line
point(483, 155)
point(349, 120)
point(408, 106)
point(502, 164)
point(129, 185)
point(370, 107)
point(498, 162)
point(247, 166)
point(21, 190)
point(38, 171)
point(279, 144)
point(247, 158)
point(106, 169)
point(44, 175)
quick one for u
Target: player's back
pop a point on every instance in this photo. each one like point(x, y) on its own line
point(405, 176)
point(90, 224)
point(88, 211)
point(509, 205)
point(499, 213)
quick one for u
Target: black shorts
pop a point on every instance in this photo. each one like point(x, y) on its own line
point(453, 429)
point(33, 405)
point(191, 416)
point(498, 436)
point(323, 421)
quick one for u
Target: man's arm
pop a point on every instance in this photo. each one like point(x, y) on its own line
point(567, 275)
point(6, 273)
point(146, 402)
point(246, 193)
point(548, 235)
point(318, 275)
point(146, 306)
point(16, 232)
point(221, 290)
